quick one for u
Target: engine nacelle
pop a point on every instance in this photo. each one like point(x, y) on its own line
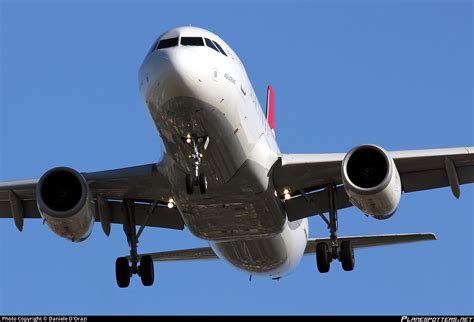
point(64, 201)
point(371, 180)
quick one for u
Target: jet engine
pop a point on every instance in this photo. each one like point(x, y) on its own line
point(64, 202)
point(371, 181)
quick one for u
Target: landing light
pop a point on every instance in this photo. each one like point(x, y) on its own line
point(286, 194)
point(170, 203)
point(188, 138)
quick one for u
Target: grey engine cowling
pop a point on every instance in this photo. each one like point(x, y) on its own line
point(64, 201)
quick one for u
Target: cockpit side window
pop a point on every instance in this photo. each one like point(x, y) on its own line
point(192, 41)
point(166, 43)
point(210, 44)
point(220, 48)
point(153, 47)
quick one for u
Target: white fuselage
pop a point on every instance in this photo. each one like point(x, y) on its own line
point(200, 91)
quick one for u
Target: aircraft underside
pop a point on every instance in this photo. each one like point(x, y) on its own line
point(237, 211)
point(223, 176)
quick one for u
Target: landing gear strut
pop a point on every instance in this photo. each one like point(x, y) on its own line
point(123, 271)
point(326, 252)
point(196, 178)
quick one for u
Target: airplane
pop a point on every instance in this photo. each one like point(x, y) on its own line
point(221, 175)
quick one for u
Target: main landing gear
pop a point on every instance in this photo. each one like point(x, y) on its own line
point(123, 271)
point(196, 178)
point(326, 252)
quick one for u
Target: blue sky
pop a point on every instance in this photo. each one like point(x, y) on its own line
point(393, 73)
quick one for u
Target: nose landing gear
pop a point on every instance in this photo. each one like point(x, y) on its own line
point(197, 178)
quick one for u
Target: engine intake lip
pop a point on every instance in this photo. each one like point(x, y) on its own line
point(349, 184)
point(66, 208)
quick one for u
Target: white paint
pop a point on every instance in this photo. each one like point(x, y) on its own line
point(224, 96)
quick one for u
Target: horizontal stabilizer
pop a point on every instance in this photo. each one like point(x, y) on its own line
point(357, 242)
point(183, 254)
point(371, 241)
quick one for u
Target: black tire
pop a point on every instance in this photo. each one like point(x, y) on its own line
point(147, 272)
point(323, 260)
point(122, 272)
point(346, 256)
point(189, 184)
point(202, 183)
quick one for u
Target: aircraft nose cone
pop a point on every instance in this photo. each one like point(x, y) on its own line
point(168, 73)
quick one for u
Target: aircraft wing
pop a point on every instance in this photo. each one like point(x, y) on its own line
point(371, 241)
point(311, 173)
point(144, 184)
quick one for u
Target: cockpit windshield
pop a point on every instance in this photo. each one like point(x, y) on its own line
point(166, 43)
point(188, 41)
point(192, 41)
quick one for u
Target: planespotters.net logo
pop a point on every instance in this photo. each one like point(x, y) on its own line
point(437, 319)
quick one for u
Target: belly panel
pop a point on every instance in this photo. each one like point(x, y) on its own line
point(273, 256)
point(240, 199)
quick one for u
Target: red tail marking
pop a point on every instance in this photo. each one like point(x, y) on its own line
point(270, 108)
